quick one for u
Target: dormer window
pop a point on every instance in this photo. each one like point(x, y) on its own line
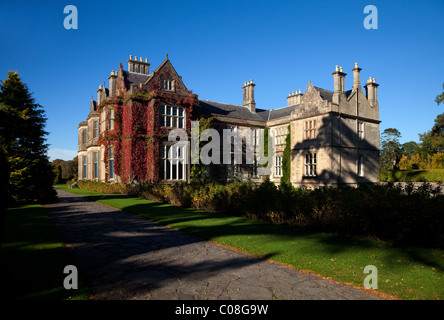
point(167, 85)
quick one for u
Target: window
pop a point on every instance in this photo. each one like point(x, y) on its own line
point(96, 129)
point(361, 130)
point(281, 135)
point(167, 85)
point(84, 167)
point(111, 119)
point(278, 166)
point(96, 165)
point(310, 129)
point(172, 162)
point(310, 165)
point(171, 116)
point(85, 136)
point(111, 162)
point(360, 166)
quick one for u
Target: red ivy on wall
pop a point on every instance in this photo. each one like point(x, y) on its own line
point(136, 136)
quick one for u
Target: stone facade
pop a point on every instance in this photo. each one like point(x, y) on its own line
point(334, 134)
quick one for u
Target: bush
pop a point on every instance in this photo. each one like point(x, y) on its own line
point(155, 192)
point(108, 188)
point(179, 194)
point(403, 215)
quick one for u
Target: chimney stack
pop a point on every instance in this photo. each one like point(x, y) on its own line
point(339, 84)
point(100, 95)
point(356, 81)
point(112, 83)
point(138, 65)
point(294, 97)
point(371, 89)
point(249, 102)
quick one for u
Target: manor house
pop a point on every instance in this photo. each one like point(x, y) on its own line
point(333, 134)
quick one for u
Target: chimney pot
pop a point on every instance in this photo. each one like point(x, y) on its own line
point(135, 58)
point(141, 59)
point(146, 60)
point(299, 91)
point(336, 68)
point(131, 57)
point(340, 69)
point(356, 64)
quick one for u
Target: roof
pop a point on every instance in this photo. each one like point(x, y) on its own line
point(325, 94)
point(134, 78)
point(241, 112)
point(281, 112)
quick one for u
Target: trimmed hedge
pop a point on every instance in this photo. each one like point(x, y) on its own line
point(405, 215)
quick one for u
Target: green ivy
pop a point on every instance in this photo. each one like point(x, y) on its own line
point(286, 158)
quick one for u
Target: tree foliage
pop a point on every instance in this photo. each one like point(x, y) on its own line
point(391, 149)
point(286, 158)
point(22, 139)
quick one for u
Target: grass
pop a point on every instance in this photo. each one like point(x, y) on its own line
point(433, 175)
point(33, 258)
point(403, 272)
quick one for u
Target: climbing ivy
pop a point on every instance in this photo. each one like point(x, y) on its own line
point(286, 158)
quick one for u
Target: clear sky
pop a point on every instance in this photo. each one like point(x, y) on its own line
point(218, 45)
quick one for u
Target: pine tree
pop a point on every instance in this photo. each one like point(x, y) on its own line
point(22, 139)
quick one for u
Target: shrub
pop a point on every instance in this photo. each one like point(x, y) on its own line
point(155, 192)
point(108, 188)
point(179, 194)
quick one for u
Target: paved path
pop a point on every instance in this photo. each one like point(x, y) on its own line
point(123, 256)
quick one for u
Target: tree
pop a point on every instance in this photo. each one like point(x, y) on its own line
point(410, 148)
point(440, 97)
point(391, 150)
point(286, 158)
point(22, 139)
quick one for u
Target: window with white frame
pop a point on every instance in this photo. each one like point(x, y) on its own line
point(96, 129)
point(281, 135)
point(111, 162)
point(310, 129)
point(361, 130)
point(84, 167)
point(278, 166)
point(310, 165)
point(360, 166)
point(111, 119)
point(172, 162)
point(84, 136)
point(167, 85)
point(171, 116)
point(96, 165)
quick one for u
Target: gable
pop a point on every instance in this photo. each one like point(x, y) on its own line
point(166, 72)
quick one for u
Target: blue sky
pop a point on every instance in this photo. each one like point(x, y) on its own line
point(218, 45)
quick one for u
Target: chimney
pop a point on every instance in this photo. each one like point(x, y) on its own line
point(294, 98)
point(99, 95)
point(112, 83)
point(356, 72)
point(138, 65)
point(339, 84)
point(249, 102)
point(371, 89)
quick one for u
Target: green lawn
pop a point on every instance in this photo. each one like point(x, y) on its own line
point(33, 257)
point(432, 175)
point(403, 272)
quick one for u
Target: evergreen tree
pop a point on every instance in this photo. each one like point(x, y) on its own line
point(391, 149)
point(22, 139)
point(286, 158)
